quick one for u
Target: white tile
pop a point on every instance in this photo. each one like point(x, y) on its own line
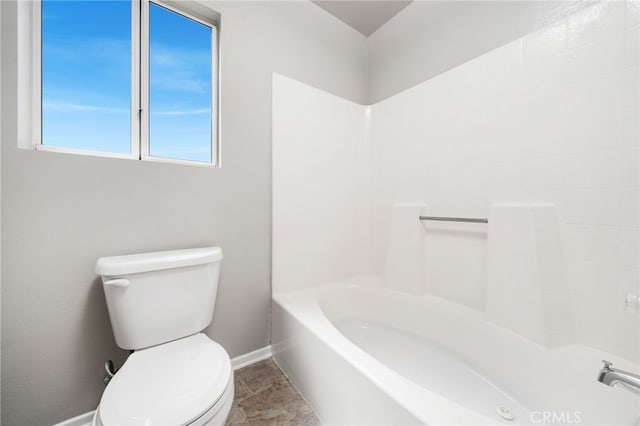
point(596, 95)
point(544, 107)
point(592, 243)
point(631, 86)
point(553, 276)
point(500, 176)
point(460, 203)
point(586, 206)
point(633, 13)
point(587, 328)
point(557, 312)
point(448, 246)
point(512, 272)
point(586, 170)
point(631, 127)
point(548, 41)
point(545, 73)
point(629, 170)
point(629, 207)
point(544, 173)
point(464, 178)
point(544, 214)
point(405, 261)
point(603, 130)
point(503, 143)
point(545, 139)
point(605, 325)
point(629, 254)
point(505, 111)
point(632, 46)
point(503, 176)
point(628, 281)
point(593, 22)
point(593, 279)
point(602, 56)
point(593, 170)
point(548, 242)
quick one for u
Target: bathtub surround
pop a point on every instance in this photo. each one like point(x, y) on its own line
point(526, 284)
point(548, 119)
point(406, 269)
point(523, 285)
point(321, 137)
point(61, 212)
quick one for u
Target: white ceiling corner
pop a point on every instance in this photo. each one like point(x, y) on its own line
point(366, 16)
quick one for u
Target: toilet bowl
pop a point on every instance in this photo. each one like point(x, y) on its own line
point(185, 382)
point(158, 305)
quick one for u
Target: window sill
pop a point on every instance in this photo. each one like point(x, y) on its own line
point(89, 153)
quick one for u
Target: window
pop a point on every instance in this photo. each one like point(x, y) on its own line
point(126, 79)
point(86, 75)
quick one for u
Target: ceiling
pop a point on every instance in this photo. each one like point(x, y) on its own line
point(365, 16)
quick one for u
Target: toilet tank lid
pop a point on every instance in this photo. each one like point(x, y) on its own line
point(156, 261)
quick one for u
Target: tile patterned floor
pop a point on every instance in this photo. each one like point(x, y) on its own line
point(265, 397)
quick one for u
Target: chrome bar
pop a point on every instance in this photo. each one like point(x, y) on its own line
point(455, 219)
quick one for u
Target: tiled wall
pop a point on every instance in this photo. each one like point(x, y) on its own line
point(551, 117)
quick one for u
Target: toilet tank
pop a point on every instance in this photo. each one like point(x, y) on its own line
point(154, 298)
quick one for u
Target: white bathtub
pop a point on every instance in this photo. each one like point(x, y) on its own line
point(362, 355)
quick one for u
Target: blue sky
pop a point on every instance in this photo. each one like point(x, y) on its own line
point(86, 79)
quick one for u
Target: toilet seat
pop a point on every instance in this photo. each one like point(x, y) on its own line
point(187, 381)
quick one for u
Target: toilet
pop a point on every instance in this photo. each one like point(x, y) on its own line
point(158, 304)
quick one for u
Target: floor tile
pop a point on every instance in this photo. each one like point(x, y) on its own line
point(265, 397)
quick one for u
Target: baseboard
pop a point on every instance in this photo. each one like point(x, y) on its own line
point(251, 358)
point(81, 420)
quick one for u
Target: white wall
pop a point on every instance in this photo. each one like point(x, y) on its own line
point(431, 37)
point(551, 117)
point(321, 220)
point(61, 212)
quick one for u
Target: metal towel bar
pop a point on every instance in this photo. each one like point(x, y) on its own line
point(455, 219)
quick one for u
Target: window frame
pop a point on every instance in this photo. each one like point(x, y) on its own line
point(30, 81)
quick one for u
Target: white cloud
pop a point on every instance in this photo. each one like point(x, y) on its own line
point(180, 69)
point(66, 106)
point(183, 112)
